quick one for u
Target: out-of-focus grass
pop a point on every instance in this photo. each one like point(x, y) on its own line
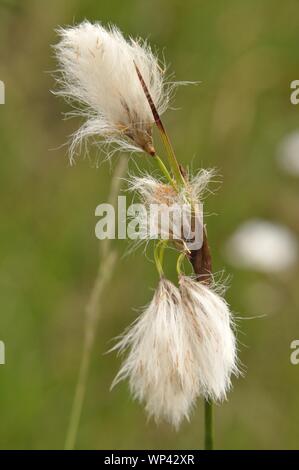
point(246, 55)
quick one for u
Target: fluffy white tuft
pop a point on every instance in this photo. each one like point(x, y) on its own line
point(198, 183)
point(153, 191)
point(180, 348)
point(160, 363)
point(211, 338)
point(97, 74)
point(176, 210)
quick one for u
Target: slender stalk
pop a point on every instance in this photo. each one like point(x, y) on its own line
point(209, 437)
point(165, 171)
point(107, 262)
point(201, 259)
point(171, 155)
point(92, 316)
point(179, 262)
point(159, 256)
point(166, 141)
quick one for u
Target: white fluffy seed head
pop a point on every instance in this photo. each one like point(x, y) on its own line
point(180, 348)
point(175, 210)
point(211, 337)
point(160, 363)
point(97, 74)
point(153, 191)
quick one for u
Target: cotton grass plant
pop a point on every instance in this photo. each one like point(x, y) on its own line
point(182, 346)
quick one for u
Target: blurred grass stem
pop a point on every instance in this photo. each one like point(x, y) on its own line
point(107, 262)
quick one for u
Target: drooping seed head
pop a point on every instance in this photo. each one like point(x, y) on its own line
point(97, 74)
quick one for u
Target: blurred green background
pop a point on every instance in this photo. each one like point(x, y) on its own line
point(246, 54)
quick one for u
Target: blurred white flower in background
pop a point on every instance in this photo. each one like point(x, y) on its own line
point(288, 153)
point(262, 246)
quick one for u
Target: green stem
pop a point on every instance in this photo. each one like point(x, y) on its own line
point(107, 264)
point(171, 157)
point(166, 141)
point(179, 262)
point(209, 438)
point(165, 171)
point(159, 256)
